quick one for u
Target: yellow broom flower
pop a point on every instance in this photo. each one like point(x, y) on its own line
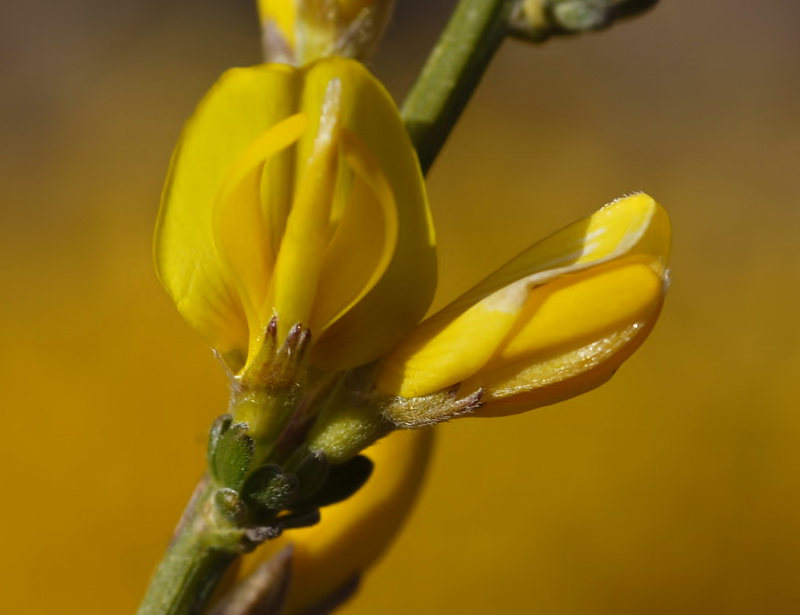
point(295, 197)
point(295, 236)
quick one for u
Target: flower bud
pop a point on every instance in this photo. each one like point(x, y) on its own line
point(300, 31)
point(556, 321)
point(537, 20)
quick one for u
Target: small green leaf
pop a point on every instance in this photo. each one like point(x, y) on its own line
point(631, 8)
point(219, 427)
point(305, 517)
point(232, 456)
point(312, 474)
point(343, 481)
point(271, 488)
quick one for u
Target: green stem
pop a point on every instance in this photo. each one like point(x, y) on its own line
point(195, 561)
point(452, 73)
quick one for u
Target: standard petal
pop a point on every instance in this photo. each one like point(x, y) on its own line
point(378, 320)
point(365, 238)
point(243, 104)
point(496, 316)
point(302, 250)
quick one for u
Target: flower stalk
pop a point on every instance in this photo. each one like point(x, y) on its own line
point(453, 70)
point(469, 42)
point(200, 552)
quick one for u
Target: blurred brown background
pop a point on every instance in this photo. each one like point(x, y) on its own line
point(672, 490)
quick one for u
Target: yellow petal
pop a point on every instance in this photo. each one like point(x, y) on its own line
point(243, 240)
point(243, 104)
point(302, 31)
point(354, 534)
point(460, 340)
point(304, 243)
point(578, 309)
point(282, 15)
point(364, 241)
point(522, 387)
point(431, 359)
point(571, 337)
point(379, 319)
point(631, 225)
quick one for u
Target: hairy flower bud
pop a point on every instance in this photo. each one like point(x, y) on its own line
point(300, 31)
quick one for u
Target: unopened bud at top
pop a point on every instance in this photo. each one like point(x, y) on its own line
point(301, 31)
point(537, 20)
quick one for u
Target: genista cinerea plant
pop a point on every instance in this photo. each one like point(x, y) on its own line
point(295, 236)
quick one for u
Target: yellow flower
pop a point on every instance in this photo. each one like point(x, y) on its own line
point(295, 202)
point(295, 196)
point(555, 322)
point(299, 31)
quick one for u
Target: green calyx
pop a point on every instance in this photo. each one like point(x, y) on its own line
point(264, 499)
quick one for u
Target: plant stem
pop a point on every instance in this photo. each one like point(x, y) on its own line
point(194, 563)
point(452, 73)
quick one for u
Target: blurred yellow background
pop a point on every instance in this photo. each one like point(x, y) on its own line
point(674, 489)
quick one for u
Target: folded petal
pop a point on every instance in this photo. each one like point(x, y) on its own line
point(365, 238)
point(576, 287)
point(631, 225)
point(571, 337)
point(243, 104)
point(379, 319)
point(305, 239)
point(579, 309)
point(243, 239)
